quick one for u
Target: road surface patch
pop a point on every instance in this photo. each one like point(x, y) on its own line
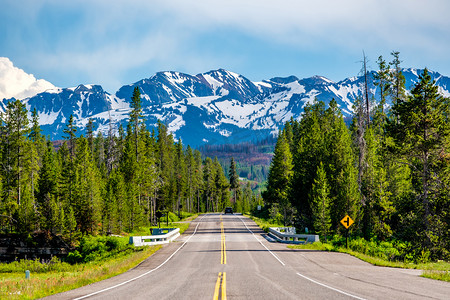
point(329, 287)
point(144, 274)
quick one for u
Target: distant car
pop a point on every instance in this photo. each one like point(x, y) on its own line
point(228, 210)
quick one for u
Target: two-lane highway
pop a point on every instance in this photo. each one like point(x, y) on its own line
point(227, 257)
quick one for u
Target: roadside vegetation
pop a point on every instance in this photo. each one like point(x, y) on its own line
point(98, 258)
point(95, 258)
point(394, 254)
point(388, 169)
point(385, 254)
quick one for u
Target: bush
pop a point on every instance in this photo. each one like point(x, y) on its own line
point(96, 248)
point(173, 217)
point(74, 257)
point(35, 266)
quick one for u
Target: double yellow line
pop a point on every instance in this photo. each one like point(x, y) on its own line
point(221, 287)
point(221, 283)
point(223, 248)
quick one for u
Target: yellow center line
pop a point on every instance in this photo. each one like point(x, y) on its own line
point(217, 289)
point(221, 284)
point(223, 252)
point(221, 287)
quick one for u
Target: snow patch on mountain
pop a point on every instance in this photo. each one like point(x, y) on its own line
point(217, 106)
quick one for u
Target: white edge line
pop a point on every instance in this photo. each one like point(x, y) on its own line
point(329, 287)
point(142, 275)
point(262, 243)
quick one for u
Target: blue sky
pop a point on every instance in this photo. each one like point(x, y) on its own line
point(113, 43)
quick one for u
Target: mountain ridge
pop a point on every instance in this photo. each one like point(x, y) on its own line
point(214, 107)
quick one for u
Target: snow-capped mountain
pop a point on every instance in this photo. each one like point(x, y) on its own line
point(56, 105)
point(213, 107)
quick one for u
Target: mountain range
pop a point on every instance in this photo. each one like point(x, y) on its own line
point(215, 107)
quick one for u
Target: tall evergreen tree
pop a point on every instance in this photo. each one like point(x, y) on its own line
point(397, 79)
point(234, 178)
point(321, 202)
point(70, 136)
point(47, 187)
point(135, 117)
point(421, 137)
point(280, 175)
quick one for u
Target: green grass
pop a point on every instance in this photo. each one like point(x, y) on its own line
point(437, 275)
point(99, 258)
point(263, 223)
point(143, 231)
point(434, 270)
point(384, 254)
point(174, 222)
point(15, 286)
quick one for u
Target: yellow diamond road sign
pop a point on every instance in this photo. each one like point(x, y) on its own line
point(347, 221)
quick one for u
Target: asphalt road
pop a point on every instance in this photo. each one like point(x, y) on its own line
point(227, 256)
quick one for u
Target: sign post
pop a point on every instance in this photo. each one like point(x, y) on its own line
point(347, 222)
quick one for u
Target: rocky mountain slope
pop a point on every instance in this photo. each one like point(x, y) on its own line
point(214, 107)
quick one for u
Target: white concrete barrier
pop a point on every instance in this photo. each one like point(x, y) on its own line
point(288, 235)
point(156, 239)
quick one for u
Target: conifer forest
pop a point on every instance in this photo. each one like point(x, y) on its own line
point(103, 184)
point(389, 170)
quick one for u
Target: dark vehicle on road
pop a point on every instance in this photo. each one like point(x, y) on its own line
point(228, 210)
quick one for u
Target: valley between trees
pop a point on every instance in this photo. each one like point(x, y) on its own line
point(389, 171)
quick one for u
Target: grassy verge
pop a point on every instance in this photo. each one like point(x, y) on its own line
point(98, 258)
point(174, 222)
point(15, 286)
point(263, 223)
point(434, 270)
point(438, 275)
point(146, 230)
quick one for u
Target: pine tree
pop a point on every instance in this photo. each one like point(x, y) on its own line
point(234, 178)
point(135, 117)
point(209, 175)
point(70, 132)
point(17, 126)
point(129, 169)
point(397, 79)
point(180, 173)
point(382, 81)
point(321, 202)
point(87, 188)
point(308, 152)
point(47, 187)
point(90, 136)
point(221, 186)
point(339, 164)
point(421, 136)
point(190, 174)
point(198, 178)
point(165, 161)
point(247, 203)
point(280, 175)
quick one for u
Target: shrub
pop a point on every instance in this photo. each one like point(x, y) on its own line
point(96, 248)
point(34, 266)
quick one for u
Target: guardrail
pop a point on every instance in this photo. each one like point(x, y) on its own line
point(158, 237)
point(288, 235)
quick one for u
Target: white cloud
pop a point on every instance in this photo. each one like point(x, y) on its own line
point(110, 38)
point(14, 82)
